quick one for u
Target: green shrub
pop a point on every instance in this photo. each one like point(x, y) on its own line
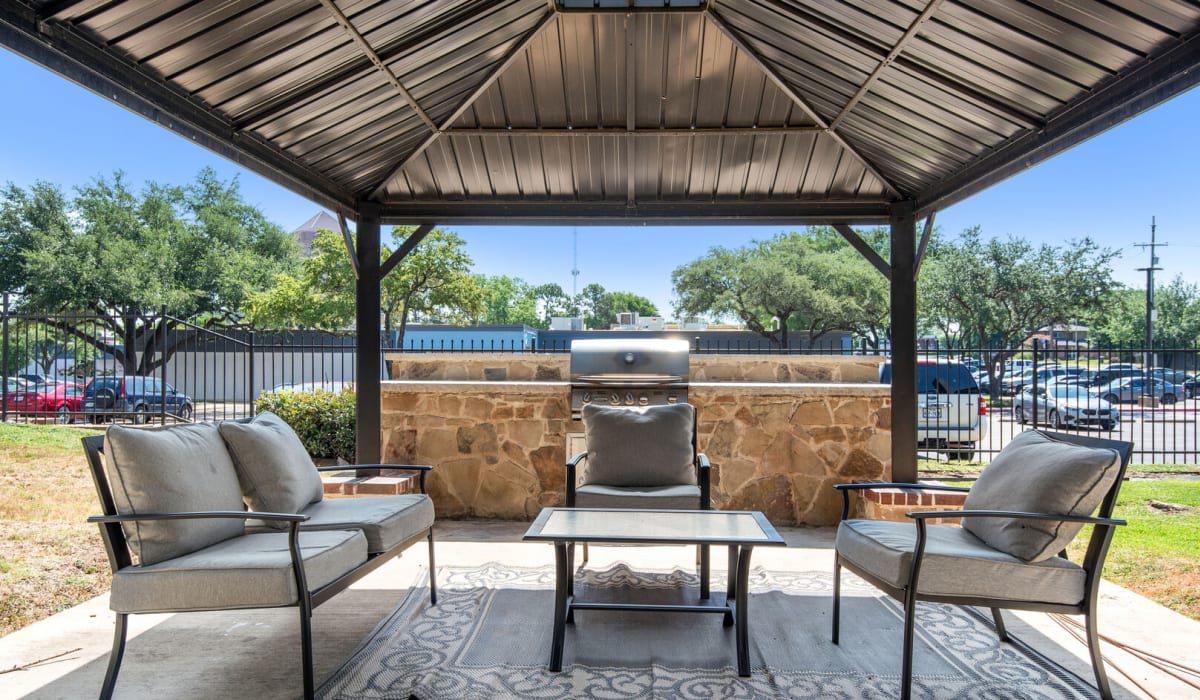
point(323, 419)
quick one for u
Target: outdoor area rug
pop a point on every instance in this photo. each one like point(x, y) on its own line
point(489, 637)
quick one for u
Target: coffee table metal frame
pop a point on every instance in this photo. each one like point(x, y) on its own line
point(689, 527)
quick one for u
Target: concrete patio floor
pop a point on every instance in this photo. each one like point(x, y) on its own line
point(253, 654)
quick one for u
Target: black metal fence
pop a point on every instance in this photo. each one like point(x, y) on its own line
point(155, 367)
point(73, 368)
point(1155, 393)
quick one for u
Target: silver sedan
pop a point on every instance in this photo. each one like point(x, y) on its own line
point(1065, 405)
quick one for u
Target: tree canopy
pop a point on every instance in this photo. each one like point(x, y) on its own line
point(812, 281)
point(998, 292)
point(123, 255)
point(433, 280)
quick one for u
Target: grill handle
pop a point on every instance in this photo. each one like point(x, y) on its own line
point(628, 378)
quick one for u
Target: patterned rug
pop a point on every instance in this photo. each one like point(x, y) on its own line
point(489, 637)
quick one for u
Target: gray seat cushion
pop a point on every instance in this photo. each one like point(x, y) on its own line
point(277, 474)
point(681, 497)
point(639, 446)
point(385, 520)
point(172, 469)
point(251, 571)
point(1036, 473)
point(956, 563)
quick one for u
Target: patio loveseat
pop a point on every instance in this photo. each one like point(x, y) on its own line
point(180, 538)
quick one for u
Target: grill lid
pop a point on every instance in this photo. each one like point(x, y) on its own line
point(626, 360)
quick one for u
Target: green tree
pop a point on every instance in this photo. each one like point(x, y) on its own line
point(1001, 291)
point(600, 307)
point(432, 278)
point(791, 281)
point(197, 250)
point(507, 301)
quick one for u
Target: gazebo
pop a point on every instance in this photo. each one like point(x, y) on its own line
point(705, 112)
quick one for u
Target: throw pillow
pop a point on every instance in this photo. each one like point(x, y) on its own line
point(1036, 473)
point(276, 473)
point(172, 469)
point(639, 446)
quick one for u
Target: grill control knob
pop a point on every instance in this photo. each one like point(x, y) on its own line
point(615, 399)
point(672, 398)
point(629, 358)
point(642, 400)
point(629, 399)
point(587, 397)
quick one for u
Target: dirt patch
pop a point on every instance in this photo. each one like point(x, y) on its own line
point(47, 567)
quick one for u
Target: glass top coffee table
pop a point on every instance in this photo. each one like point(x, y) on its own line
point(741, 531)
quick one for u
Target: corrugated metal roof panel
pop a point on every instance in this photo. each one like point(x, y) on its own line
point(738, 101)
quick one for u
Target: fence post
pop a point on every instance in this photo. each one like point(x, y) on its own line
point(162, 366)
point(250, 372)
point(4, 364)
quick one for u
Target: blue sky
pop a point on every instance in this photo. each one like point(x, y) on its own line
point(1107, 188)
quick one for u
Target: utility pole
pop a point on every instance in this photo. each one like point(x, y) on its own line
point(1151, 312)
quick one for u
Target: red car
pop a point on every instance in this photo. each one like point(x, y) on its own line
point(50, 399)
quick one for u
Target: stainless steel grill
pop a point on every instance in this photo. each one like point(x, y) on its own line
point(628, 372)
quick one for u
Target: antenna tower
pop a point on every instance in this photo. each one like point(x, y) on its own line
point(575, 261)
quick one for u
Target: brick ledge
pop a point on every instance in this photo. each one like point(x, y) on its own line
point(347, 484)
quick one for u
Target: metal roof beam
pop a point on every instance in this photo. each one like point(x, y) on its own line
point(794, 96)
point(405, 248)
point(630, 113)
point(886, 61)
point(637, 131)
point(924, 245)
point(62, 50)
point(864, 249)
point(1153, 82)
point(512, 56)
point(616, 212)
point(369, 52)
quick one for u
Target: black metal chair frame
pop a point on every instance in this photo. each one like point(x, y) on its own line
point(119, 557)
point(703, 479)
point(1093, 564)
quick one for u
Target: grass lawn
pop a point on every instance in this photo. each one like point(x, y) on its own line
point(50, 558)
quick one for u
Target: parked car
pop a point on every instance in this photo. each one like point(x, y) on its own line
point(1111, 373)
point(1065, 406)
point(1178, 378)
point(1133, 388)
point(950, 407)
point(61, 400)
point(15, 384)
point(136, 398)
point(1013, 385)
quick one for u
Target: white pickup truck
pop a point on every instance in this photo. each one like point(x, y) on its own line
point(951, 410)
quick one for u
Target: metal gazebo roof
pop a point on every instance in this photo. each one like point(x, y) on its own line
point(626, 111)
point(455, 111)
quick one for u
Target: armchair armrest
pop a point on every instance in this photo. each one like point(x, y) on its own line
point(421, 469)
point(572, 465)
point(243, 514)
point(845, 490)
point(1016, 515)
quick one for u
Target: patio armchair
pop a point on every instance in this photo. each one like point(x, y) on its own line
point(1010, 551)
point(641, 458)
point(180, 539)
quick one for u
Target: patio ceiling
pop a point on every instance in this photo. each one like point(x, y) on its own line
point(603, 111)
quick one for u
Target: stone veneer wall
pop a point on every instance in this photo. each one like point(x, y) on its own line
point(498, 448)
point(555, 367)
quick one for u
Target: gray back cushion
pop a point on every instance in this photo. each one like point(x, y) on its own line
point(172, 469)
point(639, 447)
point(1036, 473)
point(276, 473)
